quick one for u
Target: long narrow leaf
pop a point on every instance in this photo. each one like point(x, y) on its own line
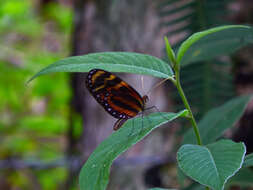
point(111, 61)
point(95, 172)
point(213, 42)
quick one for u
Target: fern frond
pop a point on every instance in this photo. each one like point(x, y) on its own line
point(206, 84)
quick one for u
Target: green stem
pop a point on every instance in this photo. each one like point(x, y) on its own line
point(187, 106)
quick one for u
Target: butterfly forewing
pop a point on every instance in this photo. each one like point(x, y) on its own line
point(116, 96)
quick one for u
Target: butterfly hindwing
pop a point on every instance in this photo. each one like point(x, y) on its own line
point(116, 96)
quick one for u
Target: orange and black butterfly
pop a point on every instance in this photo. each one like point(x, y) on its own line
point(117, 97)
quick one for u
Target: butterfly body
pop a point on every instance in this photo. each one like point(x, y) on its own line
point(117, 97)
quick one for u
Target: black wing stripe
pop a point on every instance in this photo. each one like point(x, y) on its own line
point(123, 105)
point(127, 97)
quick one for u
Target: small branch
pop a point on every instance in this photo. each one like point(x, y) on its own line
point(186, 104)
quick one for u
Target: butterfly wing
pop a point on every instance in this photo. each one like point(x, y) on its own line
point(116, 96)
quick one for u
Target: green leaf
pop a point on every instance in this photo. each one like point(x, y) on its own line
point(170, 51)
point(243, 178)
point(111, 61)
point(95, 172)
point(160, 189)
point(213, 42)
point(181, 177)
point(195, 186)
point(248, 161)
point(211, 165)
point(217, 120)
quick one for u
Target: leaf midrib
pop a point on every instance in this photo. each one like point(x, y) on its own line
point(216, 169)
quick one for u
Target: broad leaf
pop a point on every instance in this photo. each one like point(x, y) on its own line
point(181, 177)
point(95, 172)
point(243, 177)
point(217, 120)
point(211, 165)
point(160, 189)
point(111, 61)
point(213, 42)
point(195, 186)
point(248, 161)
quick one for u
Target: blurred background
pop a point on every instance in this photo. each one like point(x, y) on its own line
point(49, 127)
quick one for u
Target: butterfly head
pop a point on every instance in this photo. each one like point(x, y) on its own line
point(145, 99)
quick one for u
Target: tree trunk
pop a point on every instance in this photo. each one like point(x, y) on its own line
point(125, 25)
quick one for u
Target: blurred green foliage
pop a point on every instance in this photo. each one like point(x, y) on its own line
point(34, 117)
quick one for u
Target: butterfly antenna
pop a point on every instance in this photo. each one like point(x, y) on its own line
point(157, 85)
point(142, 82)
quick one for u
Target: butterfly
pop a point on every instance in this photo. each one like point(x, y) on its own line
point(117, 97)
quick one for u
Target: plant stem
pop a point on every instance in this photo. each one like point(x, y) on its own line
point(176, 81)
point(187, 106)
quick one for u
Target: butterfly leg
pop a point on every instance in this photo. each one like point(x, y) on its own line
point(142, 124)
point(154, 107)
point(132, 129)
point(118, 124)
